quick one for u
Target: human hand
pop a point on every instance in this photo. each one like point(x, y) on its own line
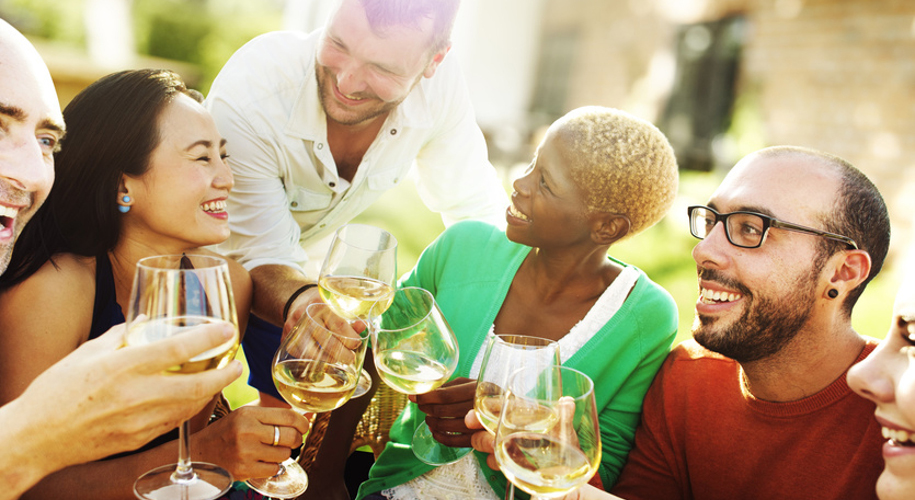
point(445, 408)
point(102, 399)
point(481, 440)
point(297, 308)
point(243, 440)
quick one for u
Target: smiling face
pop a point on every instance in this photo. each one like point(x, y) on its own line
point(363, 74)
point(547, 207)
point(753, 301)
point(31, 126)
point(887, 377)
point(181, 198)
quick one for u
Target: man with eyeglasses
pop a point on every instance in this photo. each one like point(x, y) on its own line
point(757, 405)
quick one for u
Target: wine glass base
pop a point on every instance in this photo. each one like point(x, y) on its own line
point(431, 452)
point(209, 482)
point(290, 482)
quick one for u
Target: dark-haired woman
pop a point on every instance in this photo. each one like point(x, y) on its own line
point(141, 172)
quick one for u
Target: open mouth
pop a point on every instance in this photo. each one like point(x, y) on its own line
point(898, 437)
point(214, 207)
point(512, 209)
point(7, 217)
point(717, 297)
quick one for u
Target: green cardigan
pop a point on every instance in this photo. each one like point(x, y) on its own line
point(469, 269)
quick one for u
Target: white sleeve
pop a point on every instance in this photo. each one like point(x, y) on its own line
point(454, 175)
point(263, 229)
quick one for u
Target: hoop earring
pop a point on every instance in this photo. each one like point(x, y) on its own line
point(124, 208)
point(833, 293)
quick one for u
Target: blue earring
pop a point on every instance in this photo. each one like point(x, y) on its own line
point(124, 208)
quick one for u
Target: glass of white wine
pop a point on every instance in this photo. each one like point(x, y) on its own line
point(357, 277)
point(503, 356)
point(170, 294)
point(415, 352)
point(316, 370)
point(548, 437)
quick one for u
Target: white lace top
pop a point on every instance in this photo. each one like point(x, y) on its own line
point(465, 478)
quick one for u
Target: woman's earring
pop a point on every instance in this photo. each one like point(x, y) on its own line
point(833, 293)
point(124, 208)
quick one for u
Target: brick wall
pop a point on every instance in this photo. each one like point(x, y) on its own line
point(836, 75)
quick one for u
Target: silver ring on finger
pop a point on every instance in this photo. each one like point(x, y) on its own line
point(276, 435)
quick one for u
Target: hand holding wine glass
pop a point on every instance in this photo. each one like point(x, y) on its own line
point(548, 437)
point(416, 352)
point(357, 277)
point(172, 294)
point(316, 369)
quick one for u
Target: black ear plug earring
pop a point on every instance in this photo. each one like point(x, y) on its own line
point(833, 293)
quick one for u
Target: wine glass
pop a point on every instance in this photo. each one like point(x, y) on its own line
point(503, 356)
point(415, 352)
point(357, 277)
point(316, 370)
point(170, 294)
point(548, 437)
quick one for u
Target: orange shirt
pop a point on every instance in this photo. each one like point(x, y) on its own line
point(703, 436)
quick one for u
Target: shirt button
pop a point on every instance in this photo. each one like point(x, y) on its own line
point(393, 131)
point(294, 204)
point(321, 226)
point(332, 184)
point(320, 145)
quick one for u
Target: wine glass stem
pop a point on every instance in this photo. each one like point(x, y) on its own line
point(510, 491)
point(184, 473)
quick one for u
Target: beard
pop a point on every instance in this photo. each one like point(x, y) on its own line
point(344, 115)
point(767, 324)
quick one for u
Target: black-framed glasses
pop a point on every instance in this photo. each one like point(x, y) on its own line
point(749, 229)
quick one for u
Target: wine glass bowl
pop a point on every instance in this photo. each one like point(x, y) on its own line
point(504, 354)
point(548, 437)
point(316, 369)
point(414, 348)
point(172, 294)
point(358, 271)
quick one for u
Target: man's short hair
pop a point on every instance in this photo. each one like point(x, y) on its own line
point(859, 212)
point(383, 14)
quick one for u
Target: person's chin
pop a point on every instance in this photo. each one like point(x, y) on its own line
point(892, 486)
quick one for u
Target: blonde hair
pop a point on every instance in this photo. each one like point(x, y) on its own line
point(624, 163)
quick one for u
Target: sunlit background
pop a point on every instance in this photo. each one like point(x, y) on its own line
point(720, 77)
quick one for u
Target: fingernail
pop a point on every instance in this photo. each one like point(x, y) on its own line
point(228, 332)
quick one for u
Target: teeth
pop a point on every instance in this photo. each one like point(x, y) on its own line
point(898, 436)
point(215, 206)
point(709, 297)
point(8, 211)
point(514, 211)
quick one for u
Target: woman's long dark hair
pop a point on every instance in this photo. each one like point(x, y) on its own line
point(112, 129)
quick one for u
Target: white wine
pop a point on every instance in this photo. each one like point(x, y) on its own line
point(145, 332)
point(354, 297)
point(488, 405)
point(314, 386)
point(530, 416)
point(542, 465)
point(410, 372)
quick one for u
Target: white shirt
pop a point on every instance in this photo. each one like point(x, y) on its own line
point(287, 191)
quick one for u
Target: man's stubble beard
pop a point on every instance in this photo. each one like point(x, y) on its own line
point(767, 324)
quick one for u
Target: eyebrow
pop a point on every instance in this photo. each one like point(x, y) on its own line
point(19, 115)
point(746, 208)
point(205, 143)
